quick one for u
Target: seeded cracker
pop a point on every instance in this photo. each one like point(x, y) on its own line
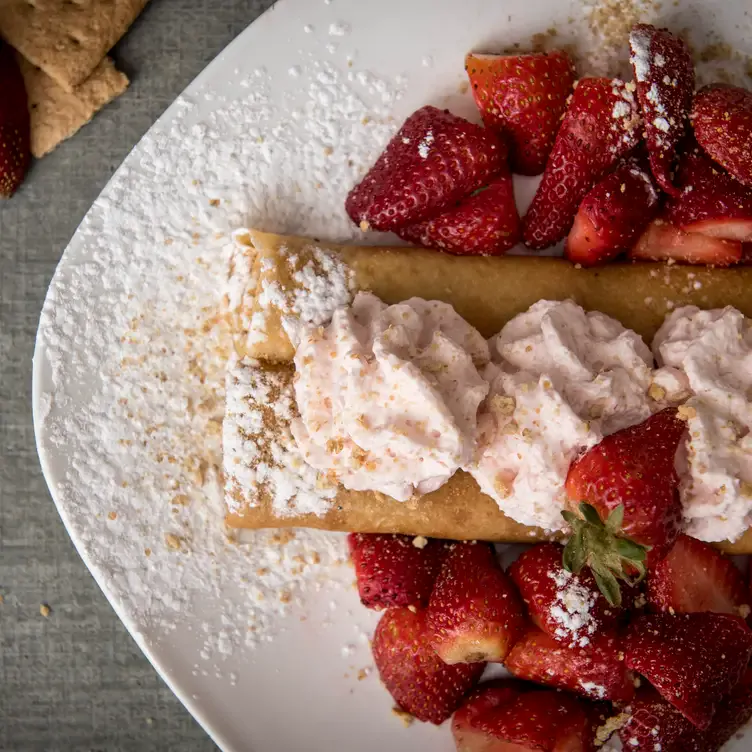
point(67, 40)
point(56, 114)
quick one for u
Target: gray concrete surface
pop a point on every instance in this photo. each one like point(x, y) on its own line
point(76, 680)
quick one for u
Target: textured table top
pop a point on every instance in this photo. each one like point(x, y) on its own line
point(75, 680)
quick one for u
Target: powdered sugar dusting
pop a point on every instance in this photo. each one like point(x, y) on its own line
point(134, 320)
point(572, 609)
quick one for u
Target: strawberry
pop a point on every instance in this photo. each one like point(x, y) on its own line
point(612, 215)
point(655, 724)
point(568, 607)
point(523, 97)
point(549, 721)
point(733, 713)
point(662, 241)
point(600, 125)
point(628, 480)
point(391, 570)
point(15, 127)
point(597, 671)
point(696, 577)
point(693, 660)
point(434, 161)
point(665, 78)
point(487, 697)
point(722, 121)
point(485, 223)
point(475, 613)
point(710, 201)
point(419, 681)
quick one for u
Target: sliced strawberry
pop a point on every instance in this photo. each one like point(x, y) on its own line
point(485, 223)
point(655, 724)
point(391, 570)
point(696, 577)
point(487, 697)
point(665, 78)
point(434, 161)
point(420, 682)
point(693, 660)
point(523, 97)
point(601, 124)
point(634, 469)
point(722, 121)
point(597, 671)
point(612, 215)
point(548, 721)
point(733, 713)
point(710, 201)
point(568, 607)
point(475, 613)
point(662, 241)
point(15, 127)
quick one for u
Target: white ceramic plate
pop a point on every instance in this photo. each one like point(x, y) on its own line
point(115, 385)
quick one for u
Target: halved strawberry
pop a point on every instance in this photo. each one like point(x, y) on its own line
point(548, 721)
point(654, 723)
point(696, 577)
point(15, 126)
point(612, 215)
point(733, 713)
point(391, 570)
point(420, 682)
point(722, 121)
point(693, 660)
point(487, 697)
point(485, 223)
point(597, 671)
point(662, 241)
point(631, 481)
point(710, 201)
point(568, 607)
point(601, 124)
point(434, 161)
point(523, 97)
point(475, 613)
point(665, 78)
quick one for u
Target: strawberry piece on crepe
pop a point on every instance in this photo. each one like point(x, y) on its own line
point(487, 697)
point(722, 121)
point(486, 223)
point(548, 721)
point(523, 97)
point(596, 671)
point(612, 215)
point(693, 660)
point(665, 79)
point(626, 491)
point(419, 681)
point(693, 577)
point(391, 570)
point(475, 613)
point(567, 607)
point(710, 201)
point(601, 124)
point(15, 126)
point(434, 161)
point(663, 241)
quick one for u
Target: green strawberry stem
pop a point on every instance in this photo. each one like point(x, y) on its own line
point(599, 545)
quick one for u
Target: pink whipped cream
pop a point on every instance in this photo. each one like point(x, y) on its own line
point(388, 395)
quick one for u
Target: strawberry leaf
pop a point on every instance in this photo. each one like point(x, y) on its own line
point(608, 585)
point(615, 520)
point(575, 555)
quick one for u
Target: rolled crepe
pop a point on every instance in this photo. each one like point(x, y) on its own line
point(278, 281)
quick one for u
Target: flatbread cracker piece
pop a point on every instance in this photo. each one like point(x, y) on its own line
point(57, 114)
point(67, 39)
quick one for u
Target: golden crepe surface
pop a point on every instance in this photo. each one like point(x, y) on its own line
point(267, 281)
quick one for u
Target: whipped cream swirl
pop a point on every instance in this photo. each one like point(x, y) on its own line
point(388, 395)
point(560, 380)
point(708, 355)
